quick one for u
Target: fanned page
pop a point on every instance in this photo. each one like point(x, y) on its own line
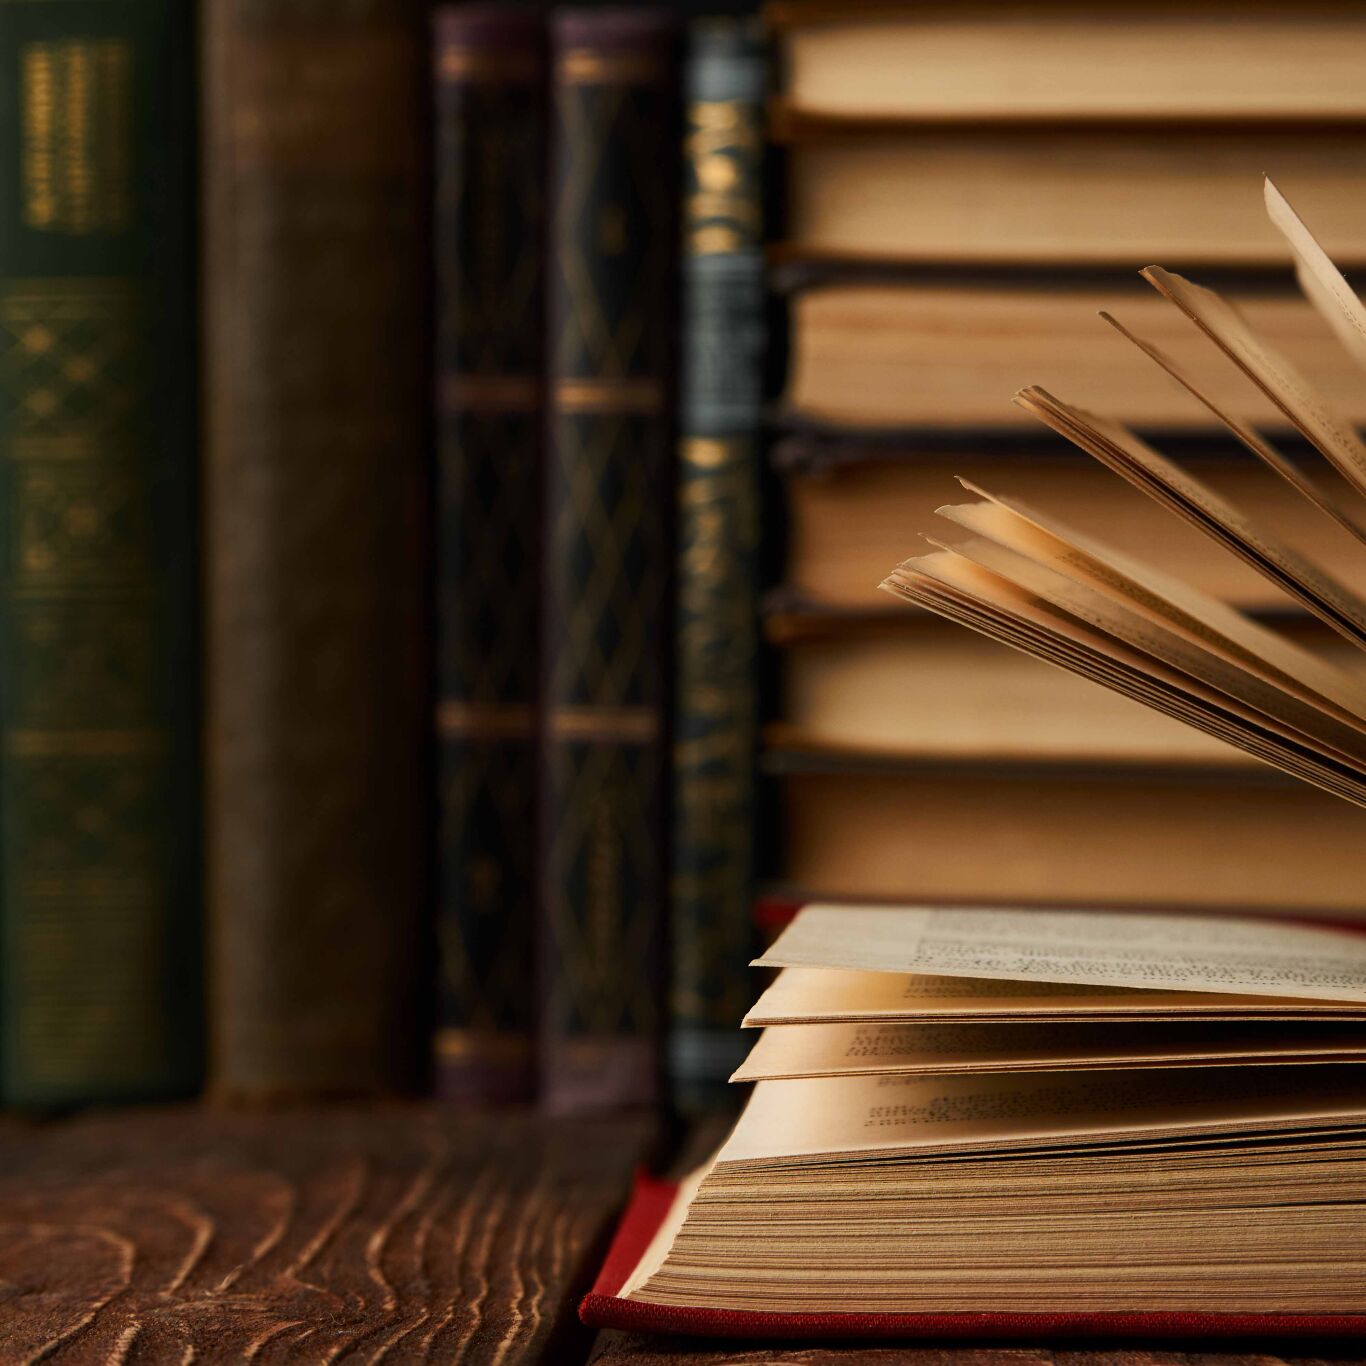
point(1270, 705)
point(1324, 498)
point(861, 1116)
point(1063, 596)
point(1322, 282)
point(1299, 399)
point(997, 606)
point(853, 996)
point(1088, 948)
point(1190, 498)
point(834, 1050)
point(1165, 599)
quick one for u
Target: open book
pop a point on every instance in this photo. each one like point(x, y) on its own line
point(985, 1122)
point(978, 1120)
point(1060, 593)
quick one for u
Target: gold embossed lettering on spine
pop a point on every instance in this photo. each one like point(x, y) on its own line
point(722, 327)
point(610, 486)
point(99, 909)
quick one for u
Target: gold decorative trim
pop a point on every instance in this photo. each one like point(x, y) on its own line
point(484, 721)
point(458, 1045)
point(706, 452)
point(626, 725)
point(609, 395)
point(475, 64)
point(584, 66)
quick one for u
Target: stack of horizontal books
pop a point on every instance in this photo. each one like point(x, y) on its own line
point(965, 190)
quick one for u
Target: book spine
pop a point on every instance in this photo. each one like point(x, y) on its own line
point(490, 71)
point(317, 671)
point(610, 479)
point(717, 638)
point(98, 866)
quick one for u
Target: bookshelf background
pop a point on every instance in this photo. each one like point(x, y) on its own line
point(553, 391)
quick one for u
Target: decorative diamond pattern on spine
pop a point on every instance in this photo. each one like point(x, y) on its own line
point(608, 571)
point(490, 72)
point(98, 876)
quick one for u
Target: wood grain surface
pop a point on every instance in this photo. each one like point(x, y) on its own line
point(400, 1233)
point(403, 1233)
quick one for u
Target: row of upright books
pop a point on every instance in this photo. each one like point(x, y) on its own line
point(600, 352)
point(350, 462)
point(965, 188)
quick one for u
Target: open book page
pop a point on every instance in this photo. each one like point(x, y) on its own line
point(809, 995)
point(827, 1050)
point(1322, 282)
point(1307, 408)
point(1120, 450)
point(1164, 599)
point(1321, 496)
point(1227, 685)
point(964, 591)
point(1098, 948)
point(1298, 720)
point(861, 1116)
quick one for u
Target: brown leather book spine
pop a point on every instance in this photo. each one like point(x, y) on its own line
point(615, 166)
point(316, 666)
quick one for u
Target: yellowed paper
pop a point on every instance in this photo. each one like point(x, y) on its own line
point(1311, 488)
point(1148, 590)
point(1187, 652)
point(1322, 282)
point(1298, 398)
point(805, 995)
point(1148, 623)
point(826, 1116)
point(1095, 948)
point(984, 601)
point(1119, 449)
point(830, 1050)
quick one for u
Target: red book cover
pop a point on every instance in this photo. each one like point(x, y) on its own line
point(603, 1307)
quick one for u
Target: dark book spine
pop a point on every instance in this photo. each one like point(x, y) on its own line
point(716, 711)
point(99, 964)
point(317, 672)
point(490, 146)
point(614, 154)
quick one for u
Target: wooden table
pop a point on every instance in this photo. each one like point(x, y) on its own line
point(397, 1233)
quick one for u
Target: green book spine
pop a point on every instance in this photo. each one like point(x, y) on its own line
point(490, 72)
point(610, 487)
point(717, 640)
point(99, 964)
